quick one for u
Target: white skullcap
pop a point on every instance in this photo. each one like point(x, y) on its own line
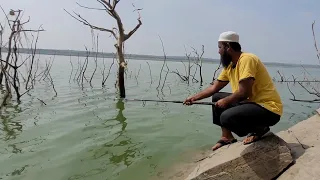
point(229, 36)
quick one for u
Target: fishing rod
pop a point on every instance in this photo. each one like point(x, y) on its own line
point(180, 102)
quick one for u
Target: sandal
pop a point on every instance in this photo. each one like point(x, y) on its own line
point(224, 142)
point(257, 135)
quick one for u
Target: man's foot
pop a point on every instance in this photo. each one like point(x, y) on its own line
point(223, 142)
point(256, 136)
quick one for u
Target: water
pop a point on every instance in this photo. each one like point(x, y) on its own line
point(82, 133)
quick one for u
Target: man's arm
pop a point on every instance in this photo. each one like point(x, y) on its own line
point(245, 91)
point(209, 91)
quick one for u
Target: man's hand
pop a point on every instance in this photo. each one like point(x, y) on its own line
point(189, 101)
point(222, 103)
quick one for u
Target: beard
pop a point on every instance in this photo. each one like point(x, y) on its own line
point(225, 59)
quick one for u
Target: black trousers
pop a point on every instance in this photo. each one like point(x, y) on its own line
point(242, 118)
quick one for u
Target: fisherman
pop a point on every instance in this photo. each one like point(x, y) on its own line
point(254, 104)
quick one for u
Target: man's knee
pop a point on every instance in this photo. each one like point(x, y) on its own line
point(226, 119)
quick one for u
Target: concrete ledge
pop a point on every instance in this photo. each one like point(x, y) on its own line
point(264, 159)
point(306, 154)
point(288, 155)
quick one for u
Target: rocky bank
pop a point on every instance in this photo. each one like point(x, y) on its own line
point(292, 154)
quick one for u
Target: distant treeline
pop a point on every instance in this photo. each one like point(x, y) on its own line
point(60, 52)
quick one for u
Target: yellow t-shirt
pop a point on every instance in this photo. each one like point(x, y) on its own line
point(264, 92)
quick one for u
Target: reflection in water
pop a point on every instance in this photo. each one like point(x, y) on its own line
point(120, 117)
point(10, 128)
point(118, 153)
point(18, 172)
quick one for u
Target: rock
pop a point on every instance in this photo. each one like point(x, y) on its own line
point(264, 159)
point(318, 110)
point(304, 141)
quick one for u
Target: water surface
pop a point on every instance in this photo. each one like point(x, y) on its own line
point(83, 133)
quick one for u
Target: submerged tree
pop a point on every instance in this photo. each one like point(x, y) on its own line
point(310, 86)
point(117, 32)
point(10, 63)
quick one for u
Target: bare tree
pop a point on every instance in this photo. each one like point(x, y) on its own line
point(164, 64)
point(104, 79)
point(310, 86)
point(118, 33)
point(10, 65)
point(186, 77)
point(198, 62)
point(215, 73)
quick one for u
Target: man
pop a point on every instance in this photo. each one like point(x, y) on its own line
point(254, 104)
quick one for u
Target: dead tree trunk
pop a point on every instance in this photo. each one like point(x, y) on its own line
point(121, 68)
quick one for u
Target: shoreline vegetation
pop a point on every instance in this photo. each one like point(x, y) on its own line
point(62, 52)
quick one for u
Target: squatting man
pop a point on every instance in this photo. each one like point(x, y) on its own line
point(254, 104)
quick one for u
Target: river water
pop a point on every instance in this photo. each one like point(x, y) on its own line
point(83, 133)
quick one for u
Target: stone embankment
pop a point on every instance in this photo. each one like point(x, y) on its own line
point(293, 154)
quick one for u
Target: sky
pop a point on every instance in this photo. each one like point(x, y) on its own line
point(276, 31)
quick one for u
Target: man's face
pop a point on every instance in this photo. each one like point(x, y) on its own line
point(225, 56)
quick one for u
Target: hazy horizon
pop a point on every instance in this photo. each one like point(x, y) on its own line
point(275, 31)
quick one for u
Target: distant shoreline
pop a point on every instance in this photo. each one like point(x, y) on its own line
point(60, 52)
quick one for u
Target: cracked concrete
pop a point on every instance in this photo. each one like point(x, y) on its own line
point(304, 142)
point(295, 156)
point(264, 159)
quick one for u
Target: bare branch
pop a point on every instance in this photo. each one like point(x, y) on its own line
point(182, 77)
point(26, 21)
point(294, 97)
point(71, 69)
point(149, 71)
point(215, 73)
point(14, 67)
point(115, 2)
point(313, 93)
point(90, 7)
point(95, 60)
point(30, 30)
point(6, 17)
point(281, 76)
point(107, 4)
point(315, 41)
point(127, 36)
point(105, 79)
point(308, 101)
point(85, 22)
point(164, 62)
point(108, 9)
